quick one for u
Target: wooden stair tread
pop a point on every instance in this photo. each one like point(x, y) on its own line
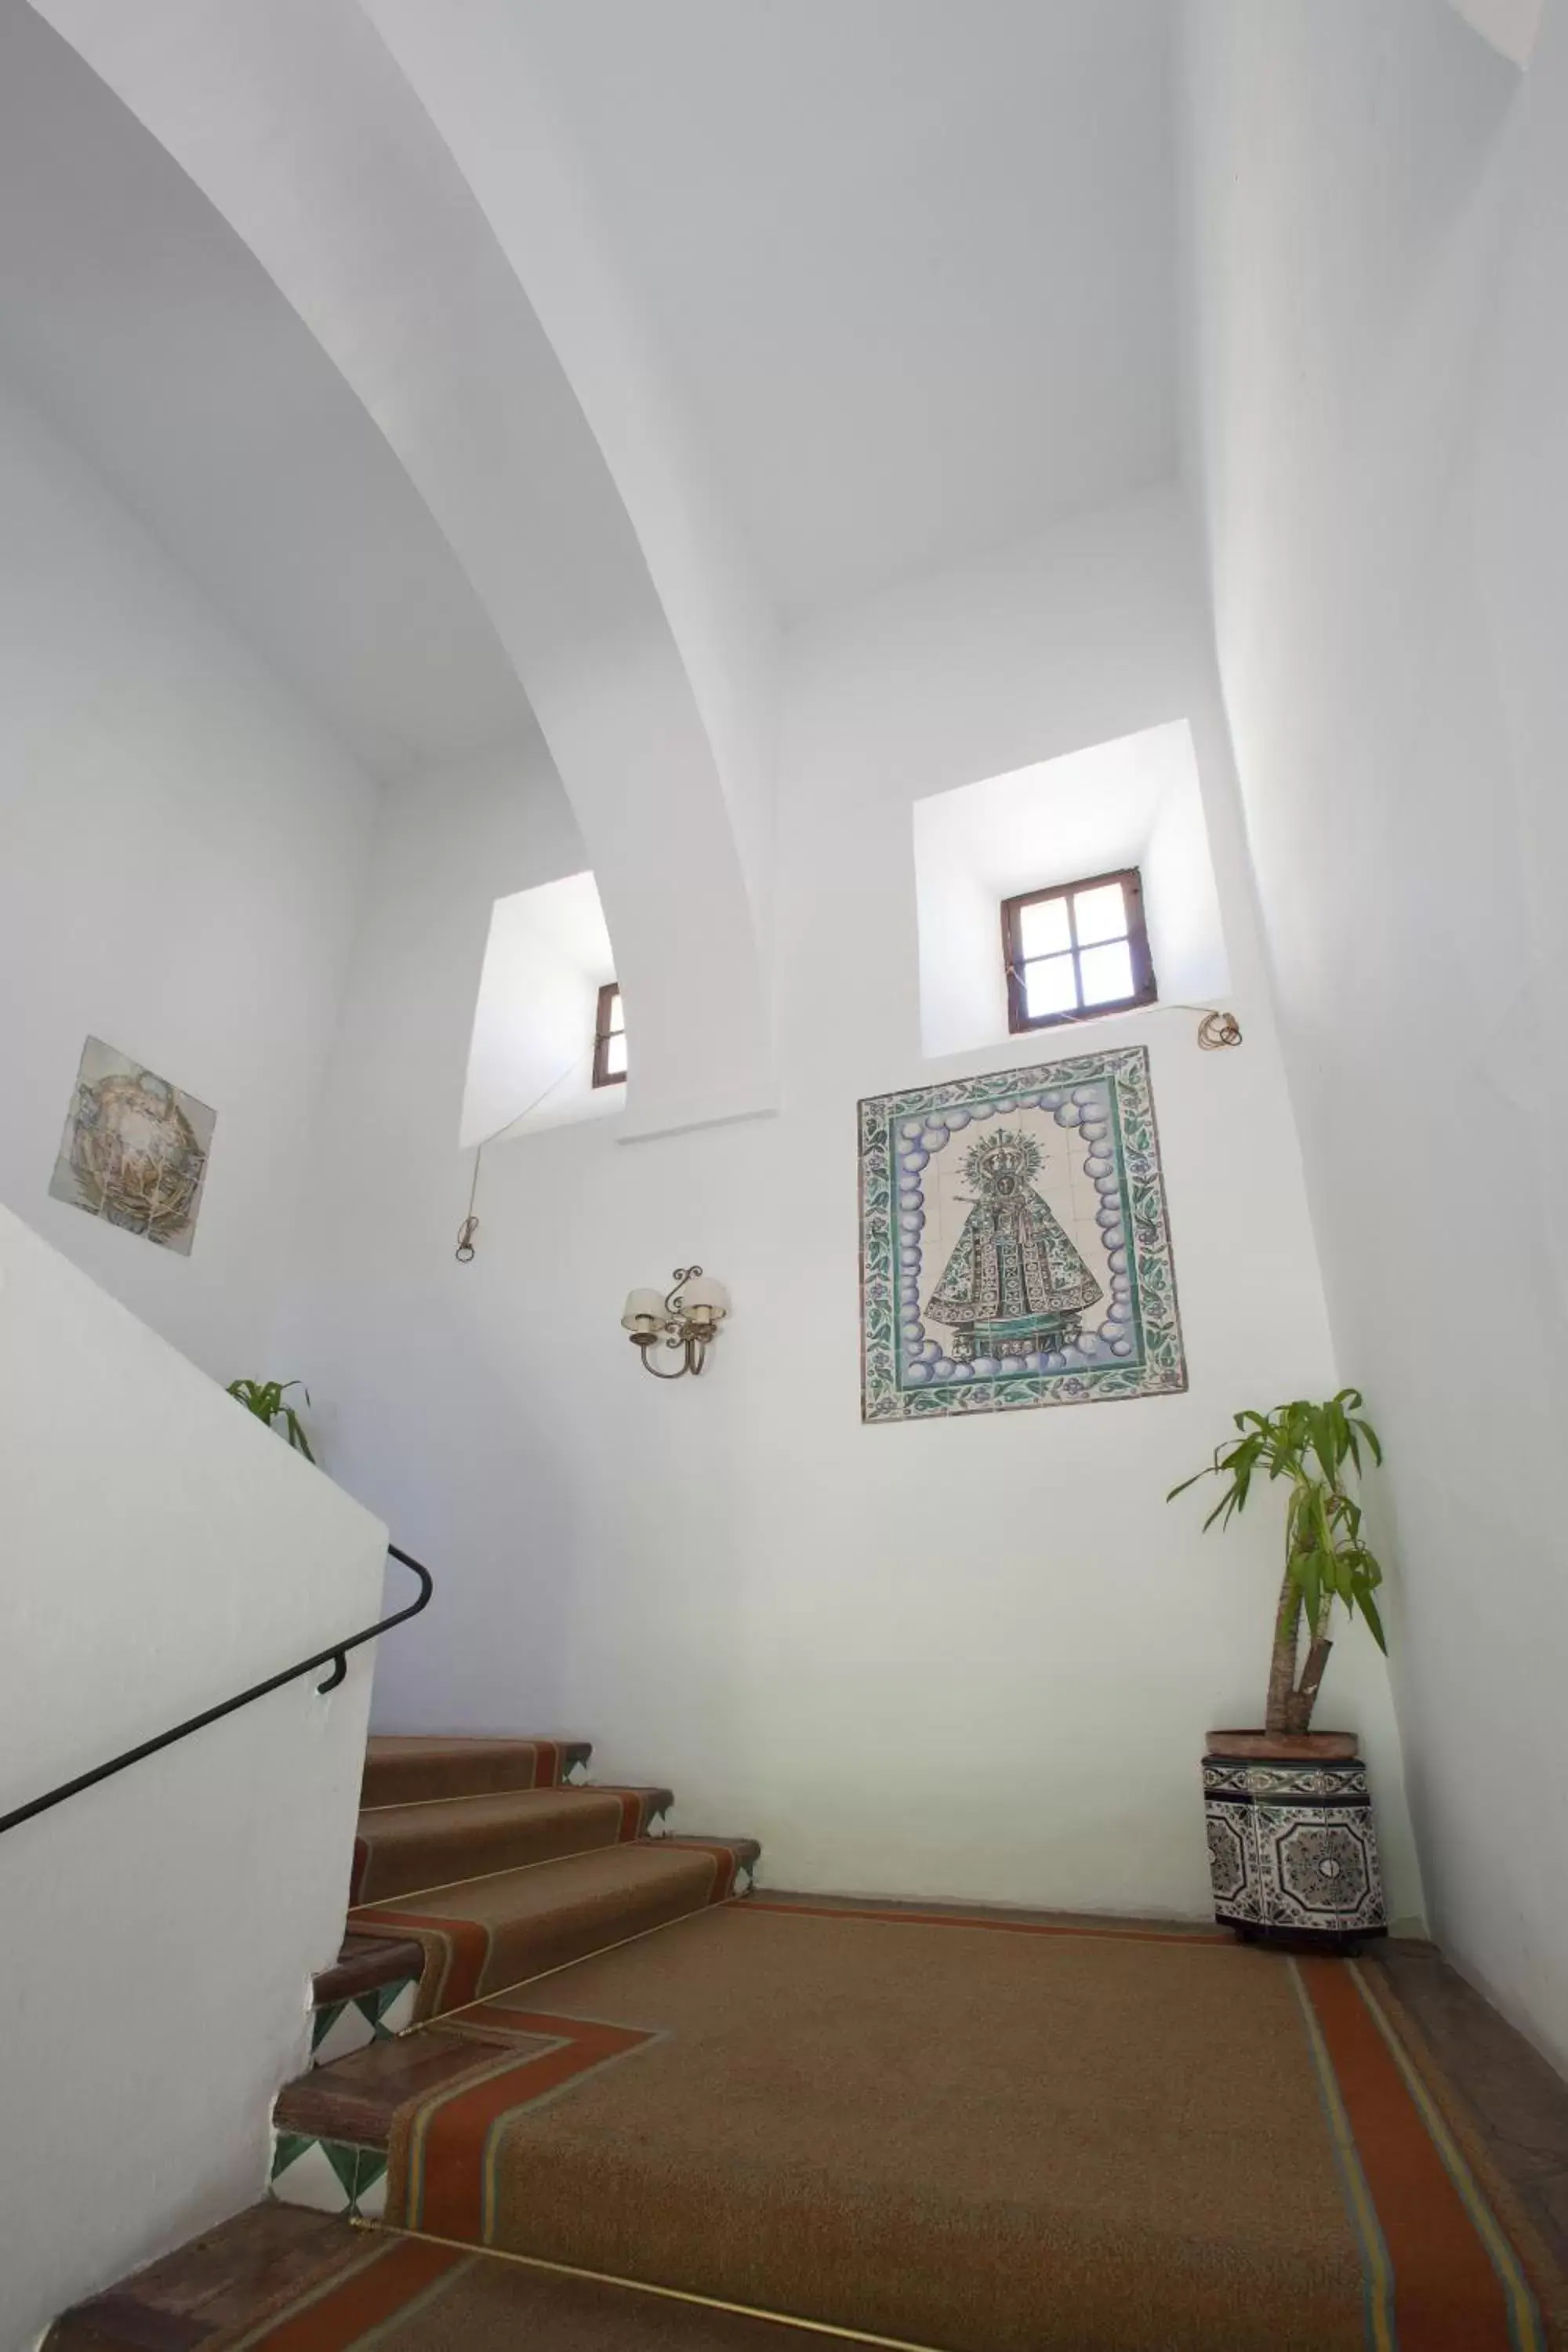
point(365, 1962)
point(252, 2268)
point(356, 2098)
point(235, 2274)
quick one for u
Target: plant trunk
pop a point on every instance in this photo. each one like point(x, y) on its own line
point(1282, 1669)
point(1306, 1696)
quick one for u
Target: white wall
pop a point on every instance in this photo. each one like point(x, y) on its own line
point(479, 74)
point(1380, 224)
point(969, 1658)
point(163, 1550)
point(184, 848)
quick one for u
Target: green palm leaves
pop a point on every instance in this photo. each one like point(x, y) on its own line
point(1315, 1447)
point(264, 1400)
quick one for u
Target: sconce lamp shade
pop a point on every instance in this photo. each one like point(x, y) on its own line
point(704, 1299)
point(642, 1305)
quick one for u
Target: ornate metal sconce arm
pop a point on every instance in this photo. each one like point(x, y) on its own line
point(688, 1330)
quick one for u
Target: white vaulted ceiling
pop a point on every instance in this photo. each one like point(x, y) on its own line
point(154, 340)
point(608, 332)
point(910, 260)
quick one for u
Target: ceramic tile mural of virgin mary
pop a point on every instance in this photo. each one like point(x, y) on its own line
point(1014, 1246)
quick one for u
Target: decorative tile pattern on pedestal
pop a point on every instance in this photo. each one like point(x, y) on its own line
point(1013, 1243)
point(1293, 1847)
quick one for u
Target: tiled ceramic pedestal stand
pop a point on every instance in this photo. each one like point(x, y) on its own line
point(1292, 1843)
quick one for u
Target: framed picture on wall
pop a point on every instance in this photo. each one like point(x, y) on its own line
point(1015, 1249)
point(134, 1151)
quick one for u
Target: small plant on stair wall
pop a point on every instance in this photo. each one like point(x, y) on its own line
point(1313, 1447)
point(264, 1400)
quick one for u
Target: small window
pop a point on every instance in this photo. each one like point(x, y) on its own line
point(609, 1038)
point(1077, 949)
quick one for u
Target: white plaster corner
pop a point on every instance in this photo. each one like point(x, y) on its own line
point(1510, 26)
point(707, 1110)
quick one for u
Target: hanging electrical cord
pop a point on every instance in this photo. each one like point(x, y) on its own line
point(463, 1252)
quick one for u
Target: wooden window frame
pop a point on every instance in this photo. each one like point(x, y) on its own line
point(609, 996)
point(1144, 990)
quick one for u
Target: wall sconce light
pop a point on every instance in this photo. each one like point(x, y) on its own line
point(687, 1317)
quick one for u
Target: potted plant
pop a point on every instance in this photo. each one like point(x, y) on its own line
point(1292, 1846)
point(264, 1400)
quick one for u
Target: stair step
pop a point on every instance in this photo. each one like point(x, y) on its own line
point(365, 1963)
point(333, 2127)
point(402, 1848)
point(406, 1767)
point(267, 2263)
point(354, 2102)
point(231, 2277)
point(367, 1995)
point(492, 1932)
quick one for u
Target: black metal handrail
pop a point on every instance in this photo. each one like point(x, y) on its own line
point(336, 1655)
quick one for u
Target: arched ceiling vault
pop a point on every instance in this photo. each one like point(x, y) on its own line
point(304, 129)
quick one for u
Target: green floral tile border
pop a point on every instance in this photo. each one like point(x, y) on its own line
point(904, 1375)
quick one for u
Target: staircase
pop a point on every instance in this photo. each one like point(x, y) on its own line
point(478, 1865)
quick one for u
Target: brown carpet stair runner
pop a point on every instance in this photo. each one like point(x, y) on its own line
point(403, 1770)
point(402, 1848)
point(475, 1869)
point(475, 1851)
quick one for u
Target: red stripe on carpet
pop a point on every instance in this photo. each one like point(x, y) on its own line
point(724, 1857)
point(1447, 2296)
point(339, 2319)
point(465, 1942)
point(982, 1919)
point(547, 1763)
point(446, 2191)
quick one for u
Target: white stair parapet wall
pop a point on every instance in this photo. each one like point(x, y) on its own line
point(163, 1552)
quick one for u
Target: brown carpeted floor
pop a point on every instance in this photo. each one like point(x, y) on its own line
point(979, 2137)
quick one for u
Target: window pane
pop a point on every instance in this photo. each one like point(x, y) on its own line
point(1107, 972)
point(617, 1019)
point(1100, 914)
point(615, 1055)
point(1049, 987)
point(1042, 928)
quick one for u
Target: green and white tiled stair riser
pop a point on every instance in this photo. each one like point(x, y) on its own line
point(343, 2026)
point(329, 2176)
